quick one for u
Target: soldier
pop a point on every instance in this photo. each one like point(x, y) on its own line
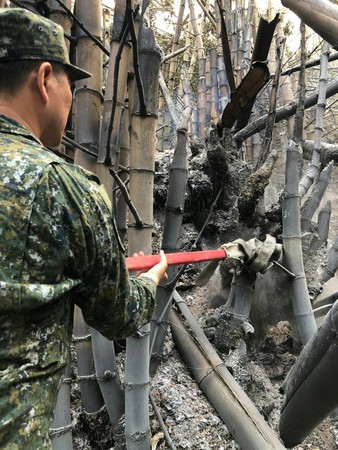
point(58, 243)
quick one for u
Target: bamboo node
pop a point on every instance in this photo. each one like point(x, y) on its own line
point(108, 375)
point(66, 380)
point(83, 378)
point(85, 338)
point(54, 432)
point(141, 225)
point(138, 435)
point(141, 170)
point(132, 385)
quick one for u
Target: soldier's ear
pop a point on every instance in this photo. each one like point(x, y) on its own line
point(43, 81)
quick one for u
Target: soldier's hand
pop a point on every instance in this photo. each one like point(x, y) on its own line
point(157, 272)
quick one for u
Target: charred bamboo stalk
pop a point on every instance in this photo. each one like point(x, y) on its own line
point(248, 35)
point(171, 232)
point(313, 169)
point(232, 404)
point(292, 245)
point(107, 377)
point(320, 15)
point(121, 211)
point(323, 224)
point(114, 99)
point(60, 432)
point(176, 37)
point(299, 115)
point(201, 69)
point(241, 293)
point(273, 103)
point(313, 202)
point(224, 94)
point(142, 163)
point(215, 111)
point(168, 100)
point(328, 269)
point(91, 397)
point(283, 113)
point(88, 92)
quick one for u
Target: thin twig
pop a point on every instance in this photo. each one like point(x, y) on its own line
point(119, 182)
point(143, 108)
point(162, 424)
point(83, 28)
point(193, 245)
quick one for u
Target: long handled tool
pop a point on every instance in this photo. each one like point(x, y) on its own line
point(255, 254)
point(148, 261)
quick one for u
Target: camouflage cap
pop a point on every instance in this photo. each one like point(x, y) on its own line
point(28, 36)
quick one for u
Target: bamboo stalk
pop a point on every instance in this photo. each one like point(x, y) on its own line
point(91, 396)
point(114, 100)
point(273, 103)
point(292, 246)
point(121, 210)
point(178, 29)
point(171, 232)
point(88, 92)
point(143, 144)
point(232, 404)
point(60, 432)
point(282, 113)
point(323, 224)
point(215, 111)
point(313, 169)
point(328, 269)
point(106, 375)
point(313, 202)
point(241, 293)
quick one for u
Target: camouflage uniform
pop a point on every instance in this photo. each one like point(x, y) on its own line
point(58, 246)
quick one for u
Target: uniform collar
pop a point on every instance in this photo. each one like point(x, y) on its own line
point(11, 126)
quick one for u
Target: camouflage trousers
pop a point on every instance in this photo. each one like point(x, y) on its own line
point(26, 411)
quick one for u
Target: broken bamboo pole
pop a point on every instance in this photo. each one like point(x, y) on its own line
point(282, 113)
point(232, 404)
point(313, 202)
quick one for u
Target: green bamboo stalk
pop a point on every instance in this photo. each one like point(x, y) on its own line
point(313, 169)
point(142, 162)
point(292, 246)
point(60, 432)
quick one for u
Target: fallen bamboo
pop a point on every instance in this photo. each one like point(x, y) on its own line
point(233, 406)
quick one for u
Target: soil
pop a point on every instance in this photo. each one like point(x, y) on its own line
point(258, 361)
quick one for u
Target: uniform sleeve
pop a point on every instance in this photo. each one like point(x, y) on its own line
point(83, 246)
